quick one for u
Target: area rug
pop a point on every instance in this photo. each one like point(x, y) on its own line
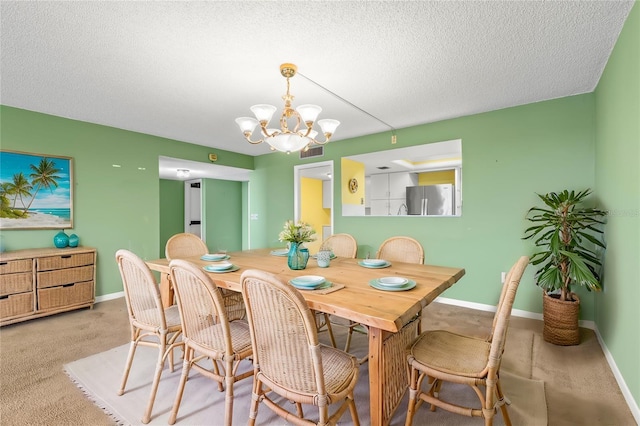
point(99, 378)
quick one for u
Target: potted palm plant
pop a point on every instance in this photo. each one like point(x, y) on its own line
point(566, 232)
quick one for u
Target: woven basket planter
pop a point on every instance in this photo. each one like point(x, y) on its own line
point(561, 320)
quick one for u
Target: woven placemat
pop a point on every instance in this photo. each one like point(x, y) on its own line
point(334, 287)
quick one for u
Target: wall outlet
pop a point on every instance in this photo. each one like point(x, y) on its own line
point(254, 216)
point(503, 276)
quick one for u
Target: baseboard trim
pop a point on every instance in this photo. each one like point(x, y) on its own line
point(628, 397)
point(110, 296)
point(631, 402)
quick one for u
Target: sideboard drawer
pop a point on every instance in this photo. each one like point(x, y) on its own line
point(67, 295)
point(16, 305)
point(13, 266)
point(64, 276)
point(64, 261)
point(16, 283)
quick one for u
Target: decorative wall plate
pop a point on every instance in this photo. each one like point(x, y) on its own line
point(353, 185)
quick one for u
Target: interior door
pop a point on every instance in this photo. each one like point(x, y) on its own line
point(193, 207)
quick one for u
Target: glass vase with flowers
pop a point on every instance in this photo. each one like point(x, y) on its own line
point(297, 233)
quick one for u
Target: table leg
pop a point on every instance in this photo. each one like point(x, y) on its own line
point(388, 380)
point(376, 405)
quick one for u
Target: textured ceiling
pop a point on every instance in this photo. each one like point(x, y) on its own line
point(185, 70)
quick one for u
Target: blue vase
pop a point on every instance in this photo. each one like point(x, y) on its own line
point(298, 257)
point(61, 240)
point(74, 240)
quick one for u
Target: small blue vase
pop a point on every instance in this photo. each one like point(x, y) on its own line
point(298, 257)
point(61, 240)
point(74, 240)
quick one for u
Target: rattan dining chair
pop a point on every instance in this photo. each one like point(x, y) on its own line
point(184, 245)
point(151, 324)
point(288, 359)
point(209, 337)
point(342, 245)
point(444, 356)
point(401, 249)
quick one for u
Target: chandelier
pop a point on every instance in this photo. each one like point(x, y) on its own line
point(285, 139)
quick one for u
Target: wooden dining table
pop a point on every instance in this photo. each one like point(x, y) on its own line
point(392, 317)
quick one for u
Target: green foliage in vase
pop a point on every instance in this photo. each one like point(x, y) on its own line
point(567, 234)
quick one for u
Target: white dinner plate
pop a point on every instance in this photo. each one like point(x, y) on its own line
point(321, 286)
point(376, 284)
point(279, 252)
point(368, 265)
point(222, 266)
point(233, 268)
point(392, 281)
point(308, 280)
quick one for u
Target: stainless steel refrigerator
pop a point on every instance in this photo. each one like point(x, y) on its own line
point(431, 200)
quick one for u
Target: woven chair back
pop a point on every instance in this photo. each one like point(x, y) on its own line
point(342, 245)
point(141, 291)
point(401, 249)
point(503, 312)
point(283, 334)
point(184, 245)
point(201, 306)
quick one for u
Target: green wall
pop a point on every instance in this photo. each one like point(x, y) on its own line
point(172, 211)
point(618, 188)
point(113, 207)
point(222, 201)
point(507, 157)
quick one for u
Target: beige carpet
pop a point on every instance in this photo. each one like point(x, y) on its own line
point(99, 375)
point(580, 388)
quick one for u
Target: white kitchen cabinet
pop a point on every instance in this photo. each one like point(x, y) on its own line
point(398, 183)
point(380, 187)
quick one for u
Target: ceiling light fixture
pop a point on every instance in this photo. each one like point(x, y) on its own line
point(183, 173)
point(286, 139)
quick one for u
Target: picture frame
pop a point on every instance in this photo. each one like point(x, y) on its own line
point(36, 191)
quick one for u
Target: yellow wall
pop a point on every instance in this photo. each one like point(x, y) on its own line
point(311, 210)
point(352, 169)
point(437, 178)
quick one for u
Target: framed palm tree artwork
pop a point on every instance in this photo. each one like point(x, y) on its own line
point(36, 191)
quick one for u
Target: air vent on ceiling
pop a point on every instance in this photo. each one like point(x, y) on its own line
point(316, 151)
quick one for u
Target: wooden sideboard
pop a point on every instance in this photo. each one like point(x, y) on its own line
point(40, 282)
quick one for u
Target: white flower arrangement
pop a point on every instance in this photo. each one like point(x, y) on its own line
point(299, 232)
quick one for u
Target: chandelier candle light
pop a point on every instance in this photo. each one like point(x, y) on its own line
point(285, 139)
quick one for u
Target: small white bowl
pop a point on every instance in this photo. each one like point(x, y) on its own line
point(393, 281)
point(215, 256)
point(374, 262)
point(220, 266)
point(308, 280)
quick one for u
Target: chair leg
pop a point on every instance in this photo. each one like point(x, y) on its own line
point(228, 400)
point(156, 380)
point(353, 411)
point(127, 366)
point(413, 396)
point(255, 400)
point(504, 401)
point(186, 365)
